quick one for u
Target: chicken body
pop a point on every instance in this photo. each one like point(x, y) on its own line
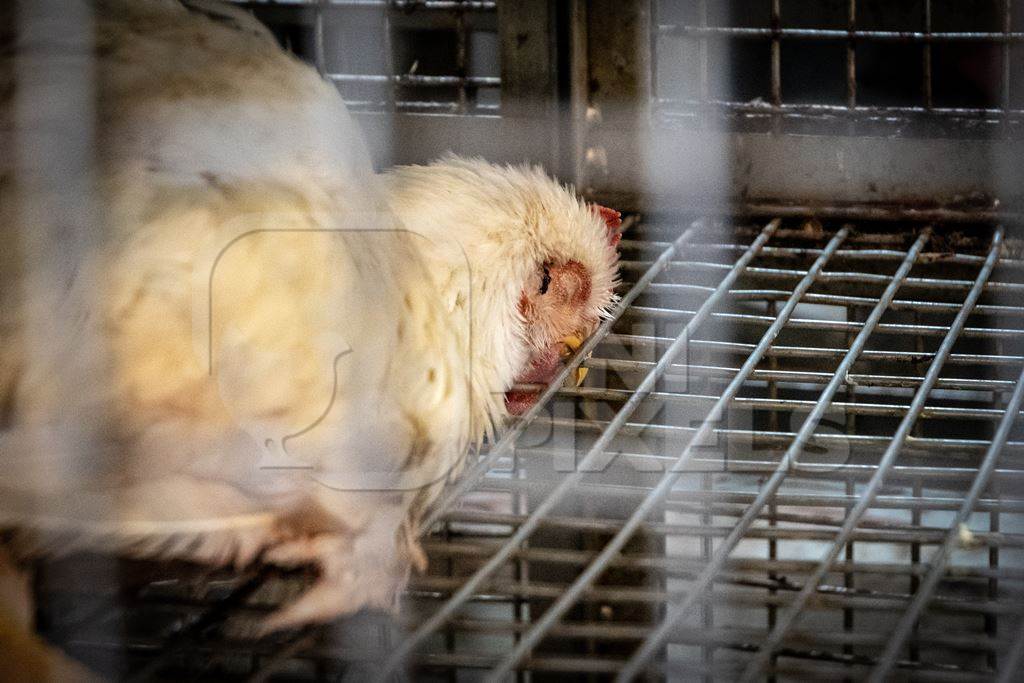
point(267, 350)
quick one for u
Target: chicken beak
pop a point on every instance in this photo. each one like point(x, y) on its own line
point(572, 343)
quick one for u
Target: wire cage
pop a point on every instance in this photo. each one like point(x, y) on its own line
point(798, 451)
point(437, 56)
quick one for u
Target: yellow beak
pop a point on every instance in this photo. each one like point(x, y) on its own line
point(572, 343)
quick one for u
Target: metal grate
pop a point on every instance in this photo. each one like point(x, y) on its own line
point(716, 523)
point(418, 56)
point(918, 68)
point(798, 453)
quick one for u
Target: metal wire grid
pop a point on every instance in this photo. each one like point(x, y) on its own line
point(561, 624)
point(385, 84)
point(688, 24)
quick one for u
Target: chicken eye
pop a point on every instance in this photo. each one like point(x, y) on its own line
point(545, 280)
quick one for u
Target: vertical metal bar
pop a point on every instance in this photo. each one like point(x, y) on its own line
point(1005, 100)
point(656, 494)
point(702, 55)
point(773, 554)
point(941, 556)
point(640, 658)
point(389, 63)
point(50, 278)
point(521, 605)
point(773, 364)
point(467, 589)
point(461, 39)
point(915, 547)
point(759, 661)
point(1014, 659)
point(773, 545)
point(776, 54)
point(851, 56)
point(318, 37)
point(848, 577)
point(991, 620)
point(927, 75)
point(527, 60)
point(915, 515)
point(619, 49)
point(449, 634)
point(529, 72)
point(707, 607)
point(579, 92)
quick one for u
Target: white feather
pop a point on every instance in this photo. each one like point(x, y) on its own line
point(295, 354)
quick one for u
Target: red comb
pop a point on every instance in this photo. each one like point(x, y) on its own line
point(613, 219)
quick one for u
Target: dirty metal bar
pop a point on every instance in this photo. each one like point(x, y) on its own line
point(1007, 25)
point(702, 46)
point(874, 254)
point(782, 351)
point(867, 112)
point(318, 38)
point(925, 37)
point(818, 352)
point(875, 532)
point(526, 60)
point(419, 106)
point(767, 648)
point(820, 324)
point(391, 105)
point(893, 381)
point(461, 39)
point(926, 77)
point(417, 80)
point(849, 301)
point(920, 444)
point(775, 32)
point(734, 636)
point(778, 404)
point(842, 326)
point(690, 565)
point(939, 559)
point(828, 596)
point(809, 471)
point(572, 479)
point(851, 56)
point(508, 440)
point(1014, 659)
point(855, 277)
point(883, 212)
point(655, 640)
point(736, 594)
point(629, 527)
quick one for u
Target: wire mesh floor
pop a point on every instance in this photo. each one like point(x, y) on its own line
point(798, 452)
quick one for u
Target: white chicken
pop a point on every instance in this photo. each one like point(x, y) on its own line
point(273, 353)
